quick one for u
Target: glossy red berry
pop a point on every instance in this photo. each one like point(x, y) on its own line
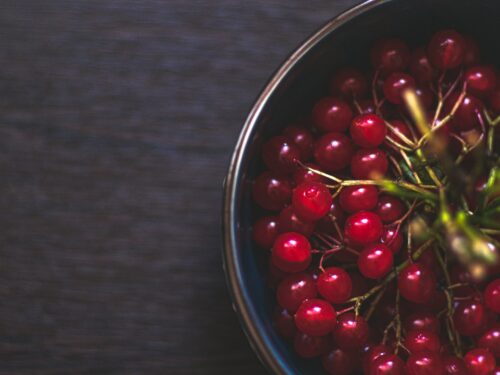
point(395, 85)
point(491, 340)
point(402, 128)
point(339, 362)
point(363, 227)
point(368, 130)
point(388, 364)
point(425, 363)
point(311, 200)
point(358, 198)
point(289, 221)
point(472, 54)
point(481, 80)
point(315, 317)
point(295, 289)
point(311, 346)
point(390, 55)
point(369, 164)
point(496, 371)
point(446, 49)
point(389, 208)
point(284, 323)
point(265, 231)
point(280, 154)
point(469, 317)
point(272, 191)
point(351, 332)
point(480, 362)
point(305, 175)
point(291, 252)
point(492, 296)
point(467, 115)
point(420, 67)
point(332, 115)
point(420, 340)
point(349, 83)
point(417, 283)
point(372, 354)
point(422, 320)
point(375, 261)
point(302, 138)
point(334, 285)
point(454, 366)
point(393, 239)
point(333, 151)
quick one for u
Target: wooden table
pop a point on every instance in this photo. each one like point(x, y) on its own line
point(117, 121)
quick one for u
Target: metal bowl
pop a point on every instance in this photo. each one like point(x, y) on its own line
point(290, 93)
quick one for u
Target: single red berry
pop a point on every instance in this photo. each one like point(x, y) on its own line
point(420, 67)
point(265, 231)
point(335, 214)
point(280, 154)
point(426, 97)
point(302, 138)
point(351, 331)
point(363, 227)
point(420, 340)
point(332, 115)
point(480, 362)
point(402, 128)
point(289, 221)
point(368, 130)
point(472, 54)
point(446, 49)
point(339, 362)
point(469, 317)
point(387, 364)
point(335, 285)
point(468, 112)
point(375, 261)
point(284, 323)
point(393, 239)
point(369, 163)
point(454, 366)
point(358, 198)
point(311, 200)
point(333, 151)
point(373, 354)
point(349, 83)
point(481, 80)
point(395, 85)
point(311, 346)
point(417, 283)
point(491, 340)
point(496, 371)
point(389, 208)
point(316, 317)
point(422, 321)
point(272, 191)
point(291, 252)
point(305, 175)
point(365, 106)
point(295, 289)
point(390, 55)
point(492, 296)
point(425, 363)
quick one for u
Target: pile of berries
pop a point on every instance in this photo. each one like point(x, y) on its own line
point(358, 199)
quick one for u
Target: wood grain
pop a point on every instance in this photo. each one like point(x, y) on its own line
point(117, 121)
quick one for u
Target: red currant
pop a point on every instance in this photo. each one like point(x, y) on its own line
point(280, 154)
point(402, 128)
point(335, 285)
point(302, 138)
point(333, 151)
point(358, 198)
point(368, 130)
point(339, 362)
point(491, 340)
point(417, 283)
point(480, 362)
point(469, 317)
point(291, 252)
point(335, 214)
point(395, 85)
point(422, 321)
point(492, 296)
point(472, 54)
point(393, 239)
point(481, 80)
point(369, 163)
point(454, 366)
point(311, 200)
point(390, 55)
point(351, 331)
point(332, 115)
point(349, 83)
point(265, 231)
point(446, 49)
point(284, 323)
point(389, 208)
point(372, 355)
point(295, 289)
point(272, 191)
point(420, 67)
point(363, 227)
point(316, 317)
point(387, 364)
point(375, 261)
point(305, 175)
point(289, 221)
point(420, 340)
point(311, 346)
point(425, 363)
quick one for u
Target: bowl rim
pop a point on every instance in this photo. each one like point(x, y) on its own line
point(241, 301)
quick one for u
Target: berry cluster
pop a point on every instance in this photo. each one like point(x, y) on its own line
point(381, 216)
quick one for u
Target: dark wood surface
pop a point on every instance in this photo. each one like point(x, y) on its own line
point(117, 121)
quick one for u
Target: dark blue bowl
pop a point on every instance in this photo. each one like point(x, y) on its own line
point(290, 93)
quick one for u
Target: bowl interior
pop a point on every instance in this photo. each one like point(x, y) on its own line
point(343, 42)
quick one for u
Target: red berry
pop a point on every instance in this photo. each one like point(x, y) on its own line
point(389, 208)
point(446, 49)
point(311, 346)
point(335, 285)
point(426, 97)
point(358, 198)
point(393, 239)
point(351, 332)
point(496, 371)
point(480, 362)
point(481, 80)
point(280, 154)
point(372, 355)
point(291, 252)
point(454, 366)
point(339, 362)
point(305, 175)
point(375, 261)
point(302, 138)
point(472, 54)
point(333, 151)
point(402, 128)
point(349, 83)
point(420, 67)
point(284, 323)
point(365, 106)
point(368, 130)
point(315, 317)
point(289, 221)
point(335, 214)
point(265, 231)
point(467, 115)
point(390, 55)
point(491, 340)
point(420, 340)
point(492, 296)
point(422, 321)
point(332, 115)
point(395, 85)
point(425, 363)
point(363, 227)
point(295, 289)
point(369, 163)
point(272, 191)
point(388, 364)
point(469, 317)
point(417, 283)
point(311, 200)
